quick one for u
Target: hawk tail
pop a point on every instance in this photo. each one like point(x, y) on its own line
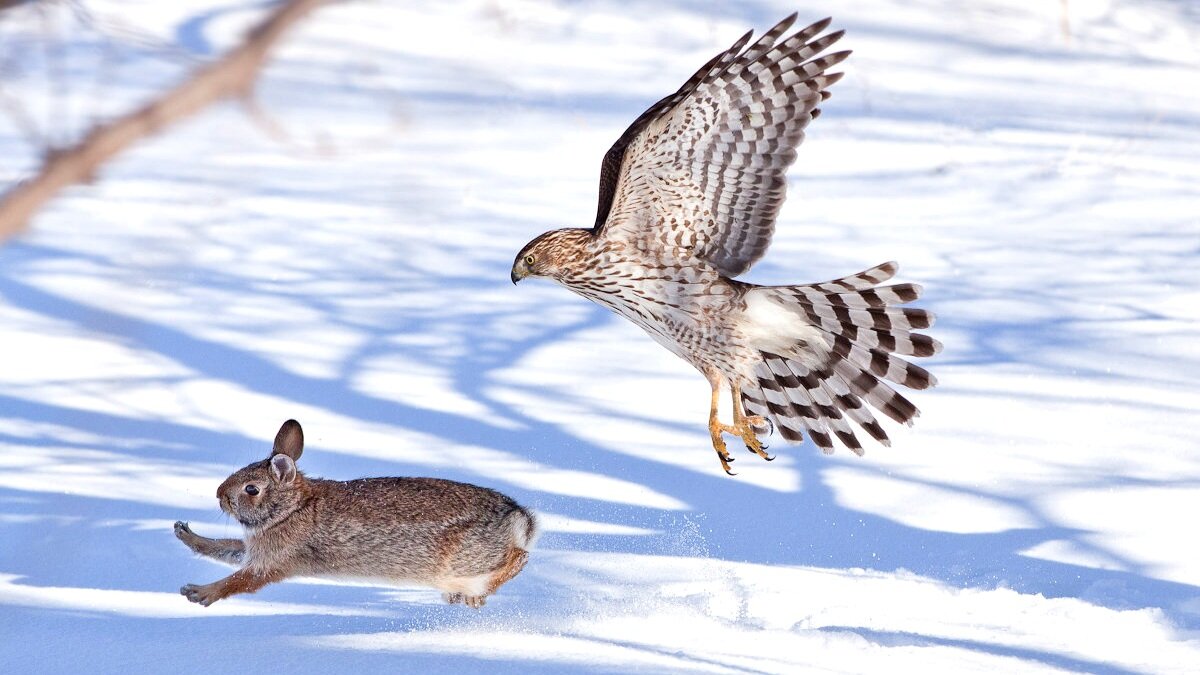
point(832, 354)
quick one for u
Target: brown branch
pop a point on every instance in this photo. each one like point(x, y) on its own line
point(232, 75)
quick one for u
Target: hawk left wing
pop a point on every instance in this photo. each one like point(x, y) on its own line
point(703, 170)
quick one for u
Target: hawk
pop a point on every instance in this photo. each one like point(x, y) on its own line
point(688, 200)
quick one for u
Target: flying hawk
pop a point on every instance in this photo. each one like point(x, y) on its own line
point(688, 200)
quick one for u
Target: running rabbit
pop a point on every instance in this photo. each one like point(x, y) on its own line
point(461, 539)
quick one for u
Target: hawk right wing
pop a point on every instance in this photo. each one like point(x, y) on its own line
point(703, 170)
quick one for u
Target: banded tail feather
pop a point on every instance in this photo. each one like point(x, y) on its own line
point(855, 282)
point(844, 359)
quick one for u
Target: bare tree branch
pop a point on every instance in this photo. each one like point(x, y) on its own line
point(231, 76)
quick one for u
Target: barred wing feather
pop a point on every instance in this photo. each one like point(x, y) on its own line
point(703, 170)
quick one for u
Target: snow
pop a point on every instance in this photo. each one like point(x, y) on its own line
point(341, 257)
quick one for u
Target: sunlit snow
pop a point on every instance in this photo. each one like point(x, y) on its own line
point(342, 257)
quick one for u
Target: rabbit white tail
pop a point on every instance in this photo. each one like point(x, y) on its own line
point(524, 527)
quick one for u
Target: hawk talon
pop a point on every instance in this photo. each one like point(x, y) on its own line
point(725, 459)
point(723, 455)
point(745, 428)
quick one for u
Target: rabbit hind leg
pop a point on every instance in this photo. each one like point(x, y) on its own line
point(473, 591)
point(514, 562)
point(470, 591)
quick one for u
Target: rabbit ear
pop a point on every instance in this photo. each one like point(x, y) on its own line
point(289, 441)
point(283, 468)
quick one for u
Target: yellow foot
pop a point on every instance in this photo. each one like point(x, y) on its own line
point(746, 429)
point(715, 430)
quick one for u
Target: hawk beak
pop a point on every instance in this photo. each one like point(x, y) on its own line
point(517, 275)
point(514, 277)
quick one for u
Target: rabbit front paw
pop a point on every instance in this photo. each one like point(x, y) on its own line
point(183, 532)
point(205, 595)
point(190, 539)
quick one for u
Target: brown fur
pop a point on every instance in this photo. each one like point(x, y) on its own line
point(462, 539)
point(514, 562)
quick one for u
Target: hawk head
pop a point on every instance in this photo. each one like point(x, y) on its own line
point(558, 255)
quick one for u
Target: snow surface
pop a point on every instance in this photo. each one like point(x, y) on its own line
point(341, 257)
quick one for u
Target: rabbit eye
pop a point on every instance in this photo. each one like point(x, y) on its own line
point(251, 490)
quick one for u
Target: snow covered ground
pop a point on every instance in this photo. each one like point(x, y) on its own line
point(342, 258)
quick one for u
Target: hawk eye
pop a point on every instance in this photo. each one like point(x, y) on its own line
point(528, 260)
point(251, 490)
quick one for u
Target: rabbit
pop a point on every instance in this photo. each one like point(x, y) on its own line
point(459, 538)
